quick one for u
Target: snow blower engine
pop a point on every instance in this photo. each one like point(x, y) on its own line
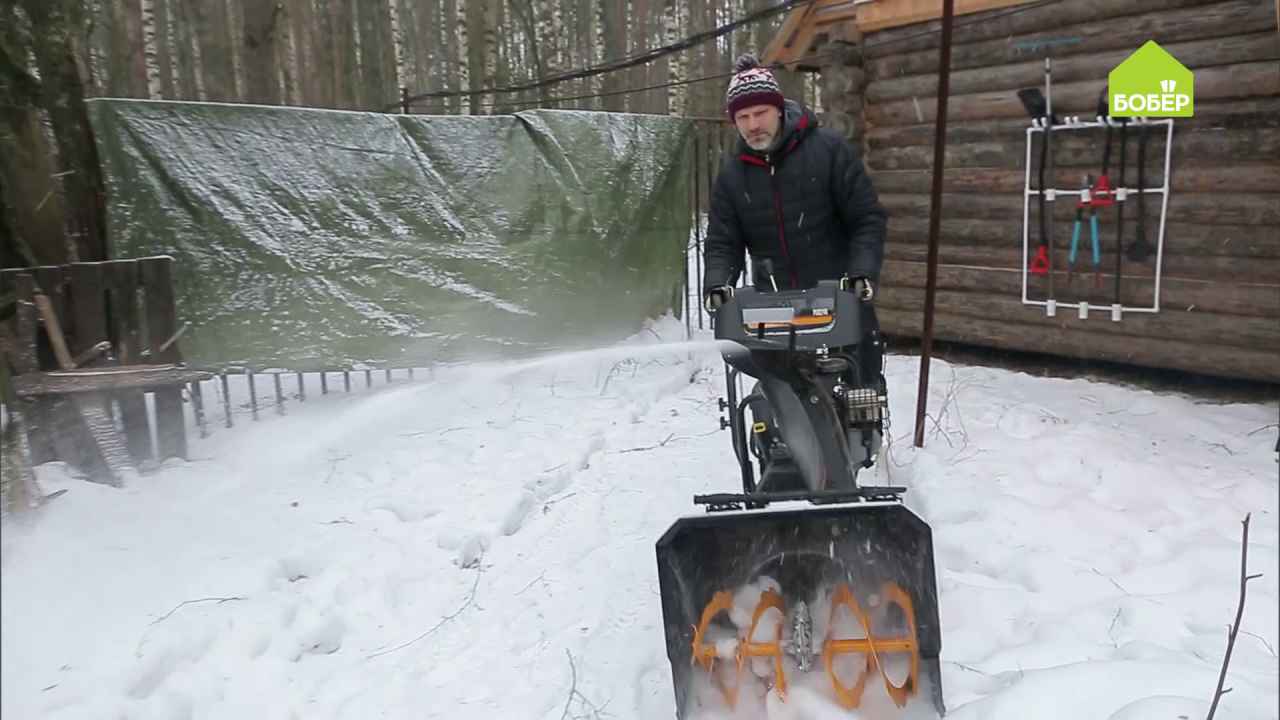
point(827, 607)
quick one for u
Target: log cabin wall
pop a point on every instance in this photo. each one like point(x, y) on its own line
point(1220, 286)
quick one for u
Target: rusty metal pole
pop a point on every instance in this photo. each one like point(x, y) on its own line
point(935, 215)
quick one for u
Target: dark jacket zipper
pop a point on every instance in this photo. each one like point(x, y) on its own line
point(782, 235)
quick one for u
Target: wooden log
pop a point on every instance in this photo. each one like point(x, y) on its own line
point(1210, 117)
point(127, 315)
point(1240, 80)
point(1225, 19)
point(1238, 209)
point(1248, 242)
point(1178, 325)
point(156, 275)
point(1084, 149)
point(1079, 342)
point(1049, 18)
point(1178, 294)
point(1214, 268)
point(1093, 67)
point(140, 377)
point(1248, 177)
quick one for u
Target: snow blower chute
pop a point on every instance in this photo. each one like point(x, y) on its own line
point(828, 607)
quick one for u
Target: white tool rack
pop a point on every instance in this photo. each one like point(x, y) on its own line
point(1070, 124)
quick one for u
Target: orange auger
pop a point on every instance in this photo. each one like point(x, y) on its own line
point(873, 647)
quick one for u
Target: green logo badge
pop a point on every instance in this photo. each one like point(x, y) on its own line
point(1150, 83)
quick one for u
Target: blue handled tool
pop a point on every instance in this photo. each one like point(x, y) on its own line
point(1086, 201)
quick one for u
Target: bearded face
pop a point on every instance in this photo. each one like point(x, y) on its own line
point(758, 125)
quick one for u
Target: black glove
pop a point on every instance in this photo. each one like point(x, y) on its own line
point(716, 296)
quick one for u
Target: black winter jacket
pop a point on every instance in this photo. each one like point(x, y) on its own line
point(808, 206)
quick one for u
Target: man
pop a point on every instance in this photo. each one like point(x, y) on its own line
point(797, 198)
point(792, 193)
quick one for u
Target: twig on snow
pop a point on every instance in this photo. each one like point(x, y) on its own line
point(962, 666)
point(184, 603)
point(1112, 627)
point(471, 596)
point(1108, 577)
point(546, 506)
point(1245, 577)
point(541, 576)
point(1261, 640)
point(669, 439)
point(1223, 446)
point(649, 447)
point(596, 712)
point(1264, 427)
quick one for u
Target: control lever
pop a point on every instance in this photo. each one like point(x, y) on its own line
point(768, 269)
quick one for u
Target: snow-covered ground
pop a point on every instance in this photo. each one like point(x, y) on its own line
point(480, 544)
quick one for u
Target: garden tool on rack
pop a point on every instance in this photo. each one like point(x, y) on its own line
point(1139, 250)
point(1040, 107)
point(1119, 196)
point(1087, 201)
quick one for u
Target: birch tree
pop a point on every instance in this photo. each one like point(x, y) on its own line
point(397, 43)
point(151, 49)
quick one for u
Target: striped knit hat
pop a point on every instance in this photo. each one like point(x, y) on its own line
point(752, 85)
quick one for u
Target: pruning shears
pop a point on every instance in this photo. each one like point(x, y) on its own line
point(1090, 202)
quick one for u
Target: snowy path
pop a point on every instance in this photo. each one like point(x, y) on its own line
point(447, 548)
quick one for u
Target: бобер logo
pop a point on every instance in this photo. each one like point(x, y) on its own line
point(1150, 83)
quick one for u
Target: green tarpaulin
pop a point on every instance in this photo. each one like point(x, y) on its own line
point(307, 239)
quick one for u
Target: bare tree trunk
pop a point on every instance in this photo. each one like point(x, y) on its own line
point(135, 50)
point(300, 18)
point(259, 24)
point(460, 74)
point(472, 28)
point(614, 35)
point(235, 30)
point(324, 41)
point(63, 94)
point(151, 49)
point(356, 81)
point(585, 52)
point(400, 76)
point(676, 20)
point(194, 27)
point(171, 63)
point(97, 36)
point(492, 13)
point(379, 56)
point(637, 16)
point(535, 34)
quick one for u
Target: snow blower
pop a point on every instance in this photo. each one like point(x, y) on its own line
point(826, 607)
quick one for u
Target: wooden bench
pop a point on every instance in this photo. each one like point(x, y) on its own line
point(87, 339)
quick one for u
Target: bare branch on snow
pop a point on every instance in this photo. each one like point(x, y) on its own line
point(471, 596)
point(184, 603)
point(1245, 577)
point(589, 708)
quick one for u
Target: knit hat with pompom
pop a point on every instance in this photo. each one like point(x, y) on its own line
point(750, 85)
